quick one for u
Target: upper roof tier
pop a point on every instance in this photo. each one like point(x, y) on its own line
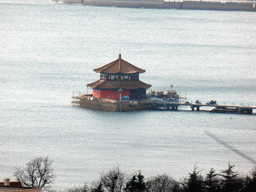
point(119, 66)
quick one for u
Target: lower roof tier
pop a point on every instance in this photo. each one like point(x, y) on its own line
point(106, 84)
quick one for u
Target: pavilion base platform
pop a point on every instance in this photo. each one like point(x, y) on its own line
point(89, 102)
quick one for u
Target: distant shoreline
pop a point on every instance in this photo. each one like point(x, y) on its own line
point(158, 4)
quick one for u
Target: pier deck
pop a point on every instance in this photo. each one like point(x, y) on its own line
point(217, 108)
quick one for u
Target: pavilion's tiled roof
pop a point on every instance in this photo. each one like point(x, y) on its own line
point(107, 84)
point(119, 66)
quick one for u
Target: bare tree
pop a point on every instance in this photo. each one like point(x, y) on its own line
point(136, 183)
point(97, 187)
point(161, 183)
point(38, 173)
point(113, 181)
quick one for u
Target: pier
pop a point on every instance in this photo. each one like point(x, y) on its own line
point(216, 108)
point(225, 5)
point(90, 102)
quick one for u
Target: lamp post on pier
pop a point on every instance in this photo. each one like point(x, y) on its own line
point(120, 91)
point(171, 86)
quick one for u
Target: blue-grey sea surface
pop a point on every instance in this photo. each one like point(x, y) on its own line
point(48, 52)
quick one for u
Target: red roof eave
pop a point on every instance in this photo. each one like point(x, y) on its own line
point(105, 84)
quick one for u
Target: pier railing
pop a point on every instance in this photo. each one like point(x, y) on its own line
point(216, 1)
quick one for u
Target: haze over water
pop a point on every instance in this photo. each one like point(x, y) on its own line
point(48, 51)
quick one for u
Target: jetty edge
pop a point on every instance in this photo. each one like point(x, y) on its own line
point(109, 105)
point(225, 5)
point(155, 100)
point(120, 89)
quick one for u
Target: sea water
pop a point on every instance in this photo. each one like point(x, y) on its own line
point(48, 51)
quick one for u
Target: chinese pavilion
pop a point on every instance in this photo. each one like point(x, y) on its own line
point(118, 79)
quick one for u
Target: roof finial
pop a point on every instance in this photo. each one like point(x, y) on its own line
point(119, 62)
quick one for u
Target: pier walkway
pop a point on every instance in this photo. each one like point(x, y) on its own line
point(217, 108)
